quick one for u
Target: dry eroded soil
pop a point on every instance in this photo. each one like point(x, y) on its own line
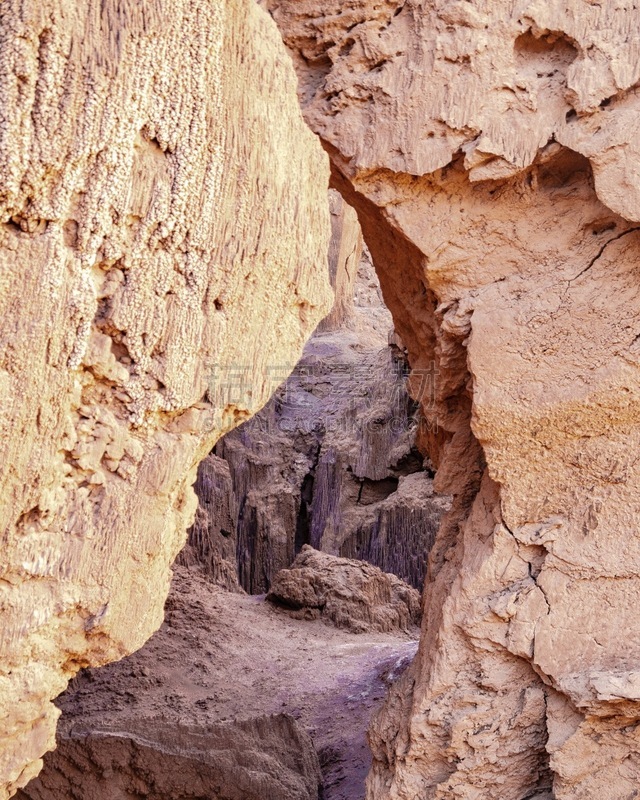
point(221, 656)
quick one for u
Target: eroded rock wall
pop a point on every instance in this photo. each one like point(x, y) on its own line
point(212, 540)
point(490, 150)
point(331, 462)
point(265, 756)
point(164, 223)
point(345, 255)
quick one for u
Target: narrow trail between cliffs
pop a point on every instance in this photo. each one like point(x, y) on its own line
point(221, 656)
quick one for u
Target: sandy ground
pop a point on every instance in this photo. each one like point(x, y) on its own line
point(222, 656)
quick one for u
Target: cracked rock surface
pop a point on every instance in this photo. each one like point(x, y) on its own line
point(491, 153)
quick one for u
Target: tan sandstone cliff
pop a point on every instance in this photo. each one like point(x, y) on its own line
point(163, 242)
point(491, 152)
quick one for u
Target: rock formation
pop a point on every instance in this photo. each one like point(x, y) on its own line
point(164, 229)
point(243, 760)
point(491, 152)
point(351, 594)
point(331, 460)
point(212, 539)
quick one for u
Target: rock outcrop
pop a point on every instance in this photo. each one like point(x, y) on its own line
point(164, 227)
point(345, 261)
point(331, 462)
point(491, 152)
point(348, 593)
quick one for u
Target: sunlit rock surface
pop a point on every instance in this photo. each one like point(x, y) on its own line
point(164, 222)
point(491, 152)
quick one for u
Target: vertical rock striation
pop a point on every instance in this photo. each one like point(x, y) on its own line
point(331, 462)
point(491, 152)
point(164, 226)
point(345, 254)
point(212, 539)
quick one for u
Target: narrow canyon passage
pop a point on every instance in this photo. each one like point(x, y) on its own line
point(232, 698)
point(333, 456)
point(431, 534)
point(242, 697)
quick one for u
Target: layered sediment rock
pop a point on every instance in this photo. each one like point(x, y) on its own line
point(351, 594)
point(161, 216)
point(490, 151)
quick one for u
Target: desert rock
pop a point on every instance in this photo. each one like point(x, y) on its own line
point(225, 665)
point(212, 539)
point(351, 594)
point(164, 225)
point(265, 757)
point(332, 459)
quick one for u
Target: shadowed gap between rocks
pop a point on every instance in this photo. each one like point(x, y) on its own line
point(333, 460)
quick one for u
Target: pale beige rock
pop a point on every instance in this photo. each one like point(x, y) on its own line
point(358, 305)
point(345, 252)
point(164, 212)
point(490, 150)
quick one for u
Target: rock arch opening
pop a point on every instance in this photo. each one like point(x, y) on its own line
point(333, 459)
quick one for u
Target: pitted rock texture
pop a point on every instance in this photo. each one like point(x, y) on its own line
point(490, 150)
point(162, 217)
point(264, 757)
point(351, 594)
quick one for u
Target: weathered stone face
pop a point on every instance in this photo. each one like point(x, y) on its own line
point(490, 150)
point(344, 592)
point(165, 223)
